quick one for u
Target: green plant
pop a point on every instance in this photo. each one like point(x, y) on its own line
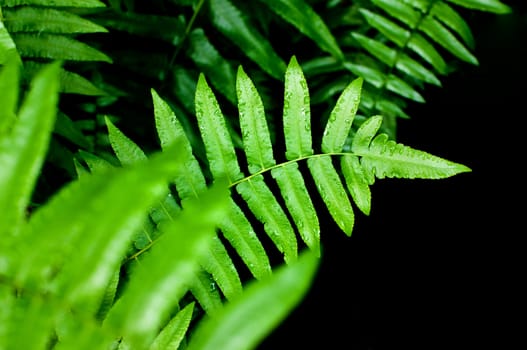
point(74, 262)
point(60, 266)
point(92, 267)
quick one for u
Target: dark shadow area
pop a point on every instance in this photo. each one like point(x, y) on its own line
point(435, 265)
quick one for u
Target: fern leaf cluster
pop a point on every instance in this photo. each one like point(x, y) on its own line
point(61, 278)
point(289, 218)
point(46, 30)
point(409, 45)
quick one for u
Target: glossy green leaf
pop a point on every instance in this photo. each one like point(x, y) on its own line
point(357, 182)
point(297, 200)
point(126, 150)
point(341, 118)
point(209, 61)
point(218, 144)
point(494, 6)
point(173, 333)
point(437, 32)
point(451, 18)
point(255, 133)
point(297, 113)
point(238, 231)
point(55, 3)
point(230, 22)
point(203, 288)
point(9, 80)
point(400, 11)
point(23, 149)
point(265, 207)
point(386, 158)
point(47, 20)
point(332, 192)
point(218, 263)
point(7, 45)
point(394, 58)
point(307, 21)
point(402, 38)
point(57, 47)
point(243, 323)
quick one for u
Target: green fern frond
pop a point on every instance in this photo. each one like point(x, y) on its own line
point(47, 20)
point(494, 6)
point(370, 157)
point(381, 157)
point(231, 23)
point(306, 20)
point(54, 3)
point(411, 42)
point(57, 47)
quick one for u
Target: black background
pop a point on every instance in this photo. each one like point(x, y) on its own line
point(437, 264)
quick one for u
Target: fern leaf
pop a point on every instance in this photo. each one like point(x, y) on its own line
point(228, 19)
point(398, 9)
point(332, 191)
point(446, 39)
point(307, 21)
point(95, 163)
point(9, 77)
point(168, 269)
point(297, 200)
point(297, 116)
point(218, 263)
point(203, 288)
point(7, 45)
point(255, 133)
point(173, 333)
point(393, 58)
point(494, 6)
point(190, 181)
point(20, 159)
point(402, 37)
point(244, 322)
point(218, 144)
point(263, 204)
point(70, 83)
point(108, 297)
point(357, 182)
point(54, 3)
point(452, 19)
point(212, 64)
point(341, 118)
point(434, 29)
point(47, 20)
point(240, 234)
point(57, 47)
point(385, 158)
point(379, 80)
point(126, 150)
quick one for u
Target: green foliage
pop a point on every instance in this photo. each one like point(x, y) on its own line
point(106, 261)
point(61, 280)
point(371, 156)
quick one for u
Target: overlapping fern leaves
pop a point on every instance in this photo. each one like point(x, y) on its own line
point(341, 176)
point(40, 31)
point(60, 265)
